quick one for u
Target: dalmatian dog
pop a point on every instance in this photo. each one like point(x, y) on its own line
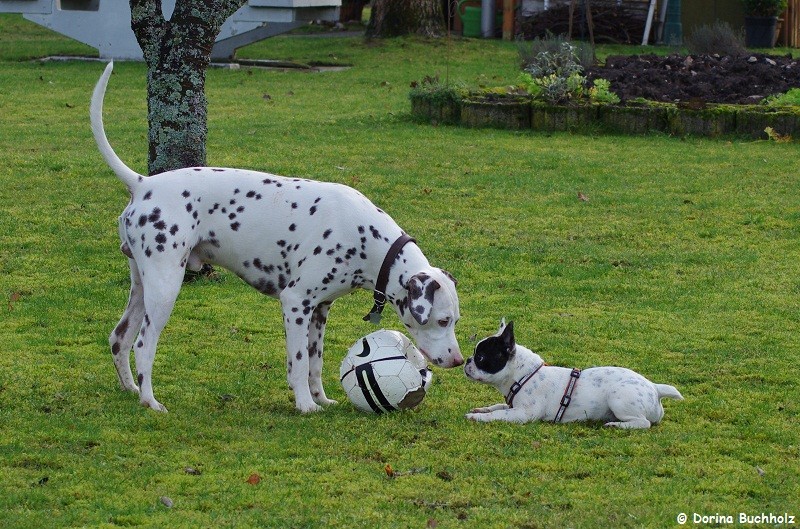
point(303, 242)
point(536, 391)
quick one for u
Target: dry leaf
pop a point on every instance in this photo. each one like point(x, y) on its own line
point(254, 479)
point(168, 503)
point(582, 197)
point(15, 296)
point(389, 470)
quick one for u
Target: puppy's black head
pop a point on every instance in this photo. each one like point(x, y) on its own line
point(493, 353)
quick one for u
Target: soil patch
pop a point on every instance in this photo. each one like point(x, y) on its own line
point(699, 78)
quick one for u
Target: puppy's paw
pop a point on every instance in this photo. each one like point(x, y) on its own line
point(478, 417)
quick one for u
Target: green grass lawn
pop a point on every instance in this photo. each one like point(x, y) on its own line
point(684, 264)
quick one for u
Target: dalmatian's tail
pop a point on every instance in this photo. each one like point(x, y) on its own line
point(665, 390)
point(128, 176)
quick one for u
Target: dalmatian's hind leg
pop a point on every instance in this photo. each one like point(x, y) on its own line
point(121, 338)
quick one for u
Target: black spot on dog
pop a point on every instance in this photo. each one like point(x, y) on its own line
point(299, 355)
point(185, 194)
point(160, 225)
point(232, 216)
point(327, 233)
point(142, 220)
point(161, 238)
point(250, 194)
point(147, 195)
point(235, 226)
point(317, 250)
point(148, 252)
point(189, 207)
point(312, 210)
point(292, 227)
point(294, 205)
point(115, 348)
point(375, 233)
point(281, 243)
point(121, 328)
point(139, 378)
point(174, 229)
point(299, 321)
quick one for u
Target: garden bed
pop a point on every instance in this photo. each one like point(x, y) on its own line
point(704, 95)
point(520, 113)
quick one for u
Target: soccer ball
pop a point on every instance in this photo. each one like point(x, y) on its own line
point(383, 372)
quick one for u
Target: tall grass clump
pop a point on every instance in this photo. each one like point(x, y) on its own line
point(719, 38)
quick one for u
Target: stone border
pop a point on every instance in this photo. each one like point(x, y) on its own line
point(520, 113)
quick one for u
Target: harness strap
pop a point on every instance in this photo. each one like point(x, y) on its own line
point(567, 398)
point(516, 387)
point(379, 295)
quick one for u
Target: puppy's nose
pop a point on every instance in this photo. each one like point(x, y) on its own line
point(457, 359)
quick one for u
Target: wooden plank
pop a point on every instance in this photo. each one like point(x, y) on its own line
point(508, 19)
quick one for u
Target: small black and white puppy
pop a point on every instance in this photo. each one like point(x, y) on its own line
point(535, 391)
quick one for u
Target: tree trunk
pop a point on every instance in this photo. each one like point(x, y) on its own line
point(177, 53)
point(392, 18)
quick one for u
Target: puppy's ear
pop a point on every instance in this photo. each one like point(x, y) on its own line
point(507, 339)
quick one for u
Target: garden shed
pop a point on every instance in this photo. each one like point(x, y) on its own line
point(106, 24)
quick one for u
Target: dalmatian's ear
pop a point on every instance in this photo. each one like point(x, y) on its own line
point(421, 289)
point(450, 277)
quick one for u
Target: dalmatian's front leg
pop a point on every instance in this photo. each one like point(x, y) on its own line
point(297, 362)
point(315, 347)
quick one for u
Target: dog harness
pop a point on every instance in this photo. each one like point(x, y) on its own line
point(379, 295)
point(567, 398)
point(516, 387)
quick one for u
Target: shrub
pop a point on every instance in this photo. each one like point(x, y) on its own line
point(787, 99)
point(532, 51)
point(719, 38)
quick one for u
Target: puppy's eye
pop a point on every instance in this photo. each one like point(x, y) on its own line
point(444, 323)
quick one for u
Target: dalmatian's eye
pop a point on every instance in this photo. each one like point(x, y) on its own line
point(444, 323)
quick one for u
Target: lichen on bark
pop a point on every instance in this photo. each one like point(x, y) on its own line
point(177, 52)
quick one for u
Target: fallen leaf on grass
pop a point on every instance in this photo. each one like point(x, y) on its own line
point(15, 296)
point(582, 197)
point(444, 475)
point(166, 501)
point(254, 479)
point(192, 471)
point(389, 470)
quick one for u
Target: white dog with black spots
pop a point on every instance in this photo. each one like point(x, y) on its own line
point(303, 242)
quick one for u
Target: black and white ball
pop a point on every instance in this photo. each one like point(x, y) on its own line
point(384, 371)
